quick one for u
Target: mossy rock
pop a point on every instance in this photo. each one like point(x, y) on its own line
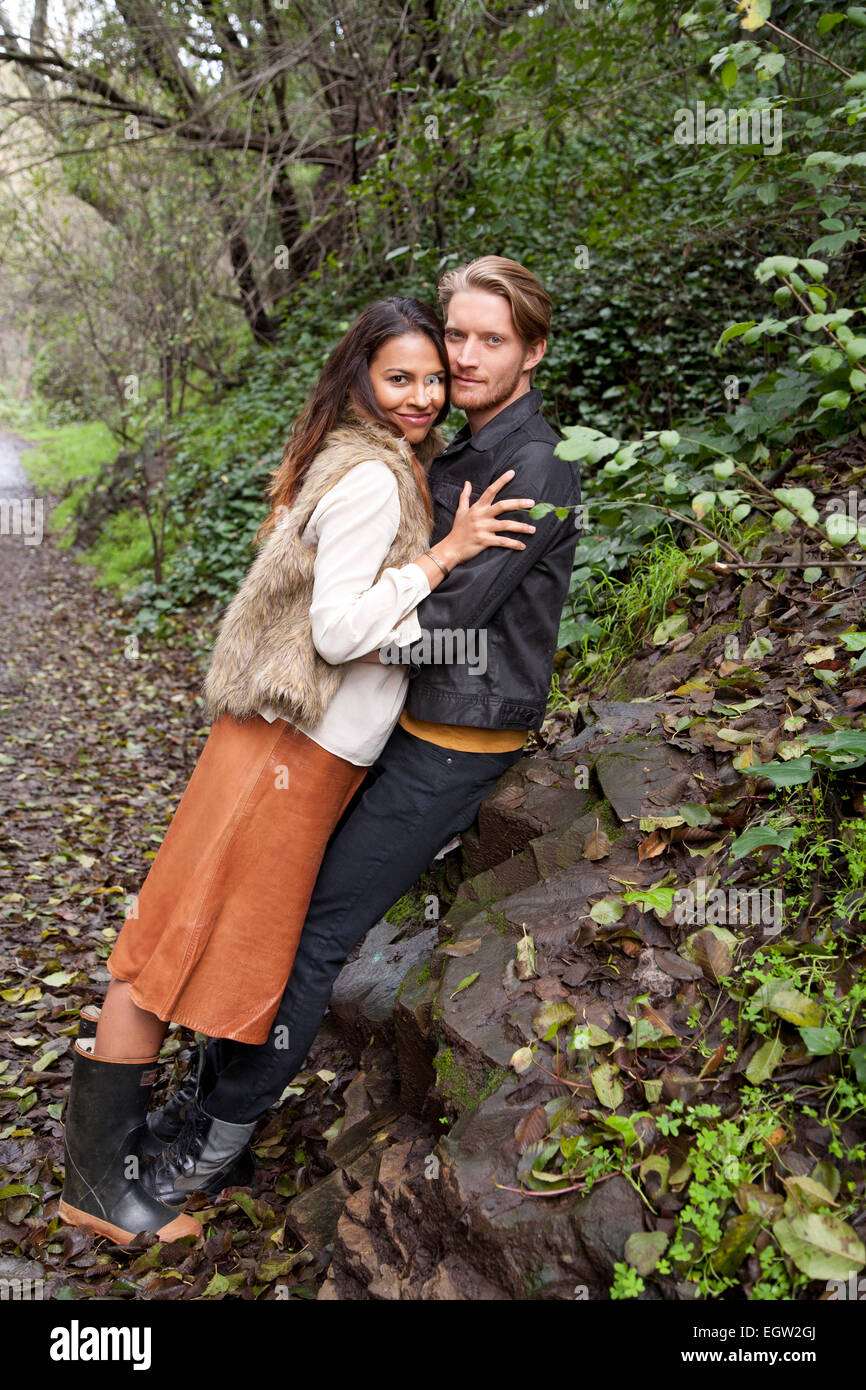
point(462, 1086)
point(641, 679)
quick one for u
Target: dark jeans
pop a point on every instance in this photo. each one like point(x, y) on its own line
point(414, 799)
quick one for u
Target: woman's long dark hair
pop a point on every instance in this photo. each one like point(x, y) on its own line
point(345, 381)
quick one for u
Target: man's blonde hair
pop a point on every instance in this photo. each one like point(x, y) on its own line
point(531, 305)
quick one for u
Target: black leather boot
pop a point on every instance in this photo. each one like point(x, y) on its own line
point(164, 1125)
point(208, 1155)
point(106, 1108)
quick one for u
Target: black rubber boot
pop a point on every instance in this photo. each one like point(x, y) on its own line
point(164, 1125)
point(208, 1155)
point(106, 1108)
point(88, 1020)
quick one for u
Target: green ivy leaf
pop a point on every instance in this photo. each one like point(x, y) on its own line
point(775, 265)
point(834, 400)
point(781, 774)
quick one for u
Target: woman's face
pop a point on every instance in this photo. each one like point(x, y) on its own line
point(408, 381)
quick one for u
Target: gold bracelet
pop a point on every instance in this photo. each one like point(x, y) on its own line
point(437, 562)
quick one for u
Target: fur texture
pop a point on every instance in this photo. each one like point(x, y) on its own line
point(264, 652)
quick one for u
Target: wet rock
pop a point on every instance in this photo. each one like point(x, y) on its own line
point(526, 1245)
point(505, 878)
point(440, 1216)
point(641, 678)
point(381, 1250)
point(372, 1108)
point(424, 1229)
point(563, 848)
point(551, 909)
point(488, 887)
point(364, 992)
point(615, 718)
point(604, 1221)
point(521, 808)
point(455, 1280)
point(474, 1018)
point(413, 1038)
point(357, 1152)
point(560, 848)
point(313, 1215)
point(632, 771)
point(355, 1139)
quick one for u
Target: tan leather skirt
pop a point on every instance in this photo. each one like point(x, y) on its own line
point(212, 937)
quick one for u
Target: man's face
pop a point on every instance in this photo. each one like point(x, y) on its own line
point(490, 364)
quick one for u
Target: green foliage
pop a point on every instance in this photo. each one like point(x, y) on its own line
point(645, 245)
point(122, 553)
point(672, 473)
point(64, 455)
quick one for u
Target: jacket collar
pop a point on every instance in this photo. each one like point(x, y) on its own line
point(501, 426)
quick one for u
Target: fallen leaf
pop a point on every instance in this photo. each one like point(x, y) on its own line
point(809, 1192)
point(552, 1014)
point(713, 1062)
point(606, 1084)
point(735, 1245)
point(531, 1128)
point(797, 1008)
point(466, 982)
point(462, 948)
point(644, 1249)
point(822, 1247)
point(819, 654)
point(596, 845)
point(521, 1060)
point(607, 911)
point(751, 1198)
point(652, 846)
point(765, 1061)
point(525, 968)
point(712, 949)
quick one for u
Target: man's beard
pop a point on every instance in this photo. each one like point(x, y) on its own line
point(495, 394)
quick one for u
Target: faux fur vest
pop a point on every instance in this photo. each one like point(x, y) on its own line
point(264, 652)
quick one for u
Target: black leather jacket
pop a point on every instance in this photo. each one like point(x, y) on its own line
point(511, 600)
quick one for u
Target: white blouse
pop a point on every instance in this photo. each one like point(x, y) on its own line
point(353, 527)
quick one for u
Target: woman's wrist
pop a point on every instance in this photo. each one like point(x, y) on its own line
point(446, 554)
point(436, 560)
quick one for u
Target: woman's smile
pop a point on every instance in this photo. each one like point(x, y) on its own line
point(414, 417)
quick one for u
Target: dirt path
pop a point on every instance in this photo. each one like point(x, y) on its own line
point(97, 742)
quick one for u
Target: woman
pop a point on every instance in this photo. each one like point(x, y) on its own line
point(301, 706)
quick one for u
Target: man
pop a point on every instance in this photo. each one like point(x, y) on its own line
point(463, 726)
